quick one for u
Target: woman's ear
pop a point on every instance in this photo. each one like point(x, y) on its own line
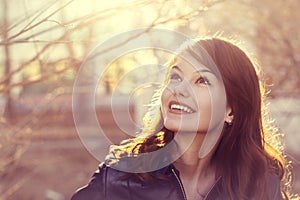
point(229, 115)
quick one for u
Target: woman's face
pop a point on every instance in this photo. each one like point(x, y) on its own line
point(194, 99)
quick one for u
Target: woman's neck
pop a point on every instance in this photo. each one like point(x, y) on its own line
point(197, 174)
point(192, 161)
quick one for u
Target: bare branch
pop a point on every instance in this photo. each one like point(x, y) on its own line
point(38, 12)
point(24, 30)
point(82, 22)
point(12, 72)
point(189, 15)
point(15, 187)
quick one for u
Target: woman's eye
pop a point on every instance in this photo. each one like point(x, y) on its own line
point(175, 77)
point(202, 80)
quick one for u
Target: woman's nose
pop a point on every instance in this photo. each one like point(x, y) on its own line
point(182, 89)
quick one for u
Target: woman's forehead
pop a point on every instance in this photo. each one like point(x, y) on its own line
point(186, 60)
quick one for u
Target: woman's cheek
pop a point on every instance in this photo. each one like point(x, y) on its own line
point(164, 97)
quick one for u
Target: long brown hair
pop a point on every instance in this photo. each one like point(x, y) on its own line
point(249, 149)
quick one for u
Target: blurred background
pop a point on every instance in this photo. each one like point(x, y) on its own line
point(44, 42)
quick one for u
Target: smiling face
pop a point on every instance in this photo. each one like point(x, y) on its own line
point(194, 97)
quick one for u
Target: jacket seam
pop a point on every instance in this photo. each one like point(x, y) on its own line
point(180, 185)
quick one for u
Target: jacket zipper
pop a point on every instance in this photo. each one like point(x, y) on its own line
point(182, 189)
point(180, 184)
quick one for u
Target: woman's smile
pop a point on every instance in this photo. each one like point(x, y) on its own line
point(180, 108)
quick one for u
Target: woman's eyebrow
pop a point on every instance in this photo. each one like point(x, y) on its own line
point(197, 71)
point(203, 71)
point(176, 67)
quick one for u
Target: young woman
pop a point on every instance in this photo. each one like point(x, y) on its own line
point(206, 136)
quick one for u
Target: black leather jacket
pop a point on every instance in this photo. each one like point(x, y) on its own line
point(110, 184)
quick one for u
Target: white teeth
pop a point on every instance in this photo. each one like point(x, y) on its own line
point(180, 107)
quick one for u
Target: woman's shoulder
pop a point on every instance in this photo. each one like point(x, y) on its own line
point(217, 191)
point(97, 186)
point(93, 190)
point(116, 184)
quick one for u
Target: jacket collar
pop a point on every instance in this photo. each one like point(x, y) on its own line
point(216, 191)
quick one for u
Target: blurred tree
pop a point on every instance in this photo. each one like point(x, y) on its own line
point(277, 40)
point(8, 109)
point(45, 42)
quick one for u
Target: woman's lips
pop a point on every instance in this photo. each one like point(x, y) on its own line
point(179, 108)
